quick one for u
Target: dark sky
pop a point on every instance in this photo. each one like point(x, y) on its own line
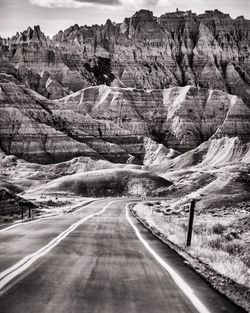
point(53, 15)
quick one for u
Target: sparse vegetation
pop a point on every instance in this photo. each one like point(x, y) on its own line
point(218, 244)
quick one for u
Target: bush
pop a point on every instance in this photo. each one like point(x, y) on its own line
point(149, 203)
point(184, 226)
point(231, 235)
point(215, 243)
point(218, 229)
point(235, 247)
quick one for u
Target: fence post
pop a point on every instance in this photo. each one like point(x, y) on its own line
point(29, 212)
point(22, 212)
point(190, 222)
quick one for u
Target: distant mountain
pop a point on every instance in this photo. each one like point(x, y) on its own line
point(209, 50)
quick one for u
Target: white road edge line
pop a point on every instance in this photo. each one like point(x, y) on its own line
point(185, 288)
point(47, 217)
point(9, 274)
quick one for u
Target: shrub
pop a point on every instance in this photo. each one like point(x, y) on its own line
point(184, 226)
point(215, 243)
point(235, 247)
point(218, 228)
point(231, 235)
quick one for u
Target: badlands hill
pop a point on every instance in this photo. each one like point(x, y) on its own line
point(113, 123)
point(210, 50)
point(111, 182)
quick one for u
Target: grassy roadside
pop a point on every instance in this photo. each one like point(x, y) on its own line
point(221, 243)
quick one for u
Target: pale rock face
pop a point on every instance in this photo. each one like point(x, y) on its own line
point(212, 153)
point(156, 153)
point(208, 50)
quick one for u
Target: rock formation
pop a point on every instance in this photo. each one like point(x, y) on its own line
point(209, 50)
point(112, 123)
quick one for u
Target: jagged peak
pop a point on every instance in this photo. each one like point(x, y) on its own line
point(179, 13)
point(76, 27)
point(28, 35)
point(143, 12)
point(241, 17)
point(109, 21)
point(214, 13)
point(37, 30)
point(143, 16)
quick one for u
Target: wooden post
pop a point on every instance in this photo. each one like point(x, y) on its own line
point(29, 213)
point(190, 222)
point(22, 212)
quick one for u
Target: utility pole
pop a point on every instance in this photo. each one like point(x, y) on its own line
point(190, 222)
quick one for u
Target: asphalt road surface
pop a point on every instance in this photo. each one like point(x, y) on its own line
point(98, 259)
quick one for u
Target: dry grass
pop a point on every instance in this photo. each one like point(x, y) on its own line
point(214, 243)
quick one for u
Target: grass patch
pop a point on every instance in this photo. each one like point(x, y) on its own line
point(214, 242)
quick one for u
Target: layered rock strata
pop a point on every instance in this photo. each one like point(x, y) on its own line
point(181, 48)
point(112, 123)
point(180, 117)
point(33, 128)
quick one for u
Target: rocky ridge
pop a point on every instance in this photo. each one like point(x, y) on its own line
point(180, 48)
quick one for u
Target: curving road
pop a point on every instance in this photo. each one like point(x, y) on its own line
point(98, 259)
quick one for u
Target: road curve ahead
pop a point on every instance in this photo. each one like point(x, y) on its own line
point(99, 259)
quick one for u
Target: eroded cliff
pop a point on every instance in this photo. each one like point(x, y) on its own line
point(181, 48)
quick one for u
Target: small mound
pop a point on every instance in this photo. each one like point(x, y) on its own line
point(109, 183)
point(11, 187)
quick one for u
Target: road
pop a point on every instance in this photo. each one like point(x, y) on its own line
point(98, 259)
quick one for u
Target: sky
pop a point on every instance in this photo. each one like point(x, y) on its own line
point(53, 15)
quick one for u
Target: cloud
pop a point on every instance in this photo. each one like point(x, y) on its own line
point(131, 4)
point(52, 4)
point(103, 2)
point(56, 3)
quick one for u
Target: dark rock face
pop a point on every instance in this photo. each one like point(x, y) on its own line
point(210, 50)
